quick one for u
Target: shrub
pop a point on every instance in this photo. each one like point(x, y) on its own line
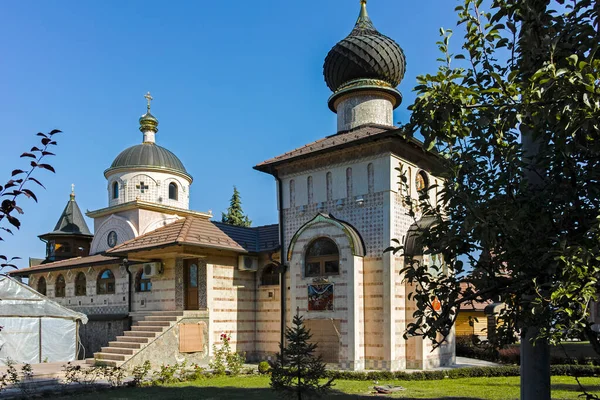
point(166, 374)
point(479, 372)
point(197, 373)
point(226, 359)
point(264, 367)
point(510, 355)
point(139, 373)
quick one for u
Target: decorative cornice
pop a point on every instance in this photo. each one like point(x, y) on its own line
point(357, 246)
point(145, 205)
point(113, 170)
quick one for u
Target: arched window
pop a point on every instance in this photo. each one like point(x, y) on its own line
point(106, 282)
point(349, 183)
point(80, 284)
point(322, 258)
point(173, 191)
point(329, 180)
point(421, 181)
point(309, 189)
point(41, 287)
point(115, 190)
point(269, 276)
point(59, 286)
point(142, 282)
point(371, 178)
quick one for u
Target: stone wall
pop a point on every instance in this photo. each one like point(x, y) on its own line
point(164, 350)
point(162, 295)
point(268, 316)
point(365, 193)
point(97, 333)
point(231, 295)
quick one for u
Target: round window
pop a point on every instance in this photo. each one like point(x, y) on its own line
point(112, 239)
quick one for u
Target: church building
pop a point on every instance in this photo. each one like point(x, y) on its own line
point(161, 282)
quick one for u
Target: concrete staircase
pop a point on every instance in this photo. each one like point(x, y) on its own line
point(141, 334)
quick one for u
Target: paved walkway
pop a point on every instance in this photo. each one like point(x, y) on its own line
point(46, 370)
point(464, 362)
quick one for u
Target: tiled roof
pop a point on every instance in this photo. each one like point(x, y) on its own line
point(268, 237)
point(348, 138)
point(195, 231)
point(253, 239)
point(472, 305)
point(71, 221)
point(68, 263)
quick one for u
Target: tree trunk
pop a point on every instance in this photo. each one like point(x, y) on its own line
point(535, 367)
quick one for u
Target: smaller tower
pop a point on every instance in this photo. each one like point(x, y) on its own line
point(363, 71)
point(71, 236)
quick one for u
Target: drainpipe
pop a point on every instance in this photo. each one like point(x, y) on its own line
point(129, 294)
point(282, 256)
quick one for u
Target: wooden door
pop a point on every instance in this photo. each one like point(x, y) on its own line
point(191, 284)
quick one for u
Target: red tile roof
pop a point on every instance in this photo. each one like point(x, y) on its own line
point(192, 230)
point(472, 305)
point(96, 259)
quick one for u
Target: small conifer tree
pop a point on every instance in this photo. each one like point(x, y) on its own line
point(235, 214)
point(297, 370)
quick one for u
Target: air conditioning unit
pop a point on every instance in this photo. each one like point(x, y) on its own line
point(248, 263)
point(152, 269)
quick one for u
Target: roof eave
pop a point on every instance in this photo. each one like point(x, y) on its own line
point(270, 167)
point(29, 271)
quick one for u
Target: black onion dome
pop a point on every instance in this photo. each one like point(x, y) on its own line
point(150, 156)
point(364, 54)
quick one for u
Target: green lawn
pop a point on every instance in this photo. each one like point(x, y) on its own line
point(257, 388)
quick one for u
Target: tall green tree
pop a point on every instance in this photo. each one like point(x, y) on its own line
point(235, 214)
point(515, 119)
point(297, 371)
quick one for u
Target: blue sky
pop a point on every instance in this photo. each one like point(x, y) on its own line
point(234, 82)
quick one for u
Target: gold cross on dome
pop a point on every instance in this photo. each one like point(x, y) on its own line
point(149, 98)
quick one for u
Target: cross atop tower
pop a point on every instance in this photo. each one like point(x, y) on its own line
point(72, 191)
point(149, 98)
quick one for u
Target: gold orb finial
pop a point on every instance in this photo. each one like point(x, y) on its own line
point(72, 191)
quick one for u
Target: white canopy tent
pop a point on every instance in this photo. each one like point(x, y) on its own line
point(35, 329)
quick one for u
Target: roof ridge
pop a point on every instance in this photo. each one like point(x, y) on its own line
point(142, 236)
point(185, 228)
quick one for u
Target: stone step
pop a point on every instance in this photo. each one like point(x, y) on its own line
point(152, 323)
point(133, 339)
point(91, 361)
point(108, 363)
point(138, 328)
point(126, 345)
point(117, 350)
point(166, 313)
point(140, 334)
point(161, 318)
point(110, 356)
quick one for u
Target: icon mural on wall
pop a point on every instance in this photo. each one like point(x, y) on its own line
point(320, 297)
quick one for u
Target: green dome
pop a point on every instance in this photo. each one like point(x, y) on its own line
point(149, 156)
point(365, 55)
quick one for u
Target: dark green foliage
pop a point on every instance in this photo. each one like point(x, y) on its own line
point(235, 214)
point(264, 367)
point(296, 370)
point(516, 122)
point(479, 372)
point(19, 185)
